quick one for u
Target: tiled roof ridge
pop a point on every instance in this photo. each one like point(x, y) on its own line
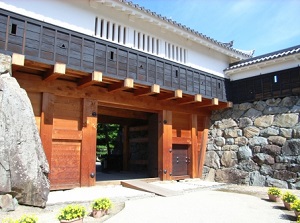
point(224, 45)
point(265, 57)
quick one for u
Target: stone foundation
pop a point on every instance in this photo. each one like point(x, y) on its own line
point(256, 144)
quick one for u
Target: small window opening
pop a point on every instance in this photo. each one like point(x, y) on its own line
point(13, 29)
point(275, 79)
point(113, 38)
point(101, 27)
point(176, 73)
point(219, 85)
point(111, 55)
point(119, 34)
point(124, 36)
point(96, 26)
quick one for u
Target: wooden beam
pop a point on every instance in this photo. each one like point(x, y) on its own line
point(125, 84)
point(223, 105)
point(126, 148)
point(58, 70)
point(203, 144)
point(169, 96)
point(181, 140)
point(197, 99)
point(93, 78)
point(154, 89)
point(209, 103)
point(123, 113)
point(17, 60)
point(194, 147)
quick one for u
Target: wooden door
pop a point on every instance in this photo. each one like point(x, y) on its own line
point(180, 160)
point(68, 133)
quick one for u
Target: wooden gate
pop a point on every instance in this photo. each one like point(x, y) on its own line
point(180, 160)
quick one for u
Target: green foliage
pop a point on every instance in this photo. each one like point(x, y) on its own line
point(102, 204)
point(289, 197)
point(106, 137)
point(298, 219)
point(24, 219)
point(71, 211)
point(274, 191)
point(296, 205)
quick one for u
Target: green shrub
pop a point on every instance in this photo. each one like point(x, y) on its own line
point(72, 211)
point(296, 205)
point(102, 204)
point(274, 191)
point(289, 197)
point(24, 219)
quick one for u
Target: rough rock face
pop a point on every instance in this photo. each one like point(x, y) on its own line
point(23, 164)
point(256, 144)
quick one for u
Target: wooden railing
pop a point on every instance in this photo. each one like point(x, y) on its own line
point(46, 43)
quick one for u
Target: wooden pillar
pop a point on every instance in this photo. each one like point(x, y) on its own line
point(125, 148)
point(194, 148)
point(165, 145)
point(88, 146)
point(203, 144)
point(46, 127)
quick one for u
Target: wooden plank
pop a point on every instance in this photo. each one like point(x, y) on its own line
point(193, 171)
point(209, 103)
point(125, 148)
point(154, 89)
point(138, 128)
point(66, 134)
point(223, 105)
point(126, 84)
point(47, 126)
point(57, 70)
point(169, 96)
point(122, 113)
point(151, 188)
point(93, 78)
point(197, 99)
point(165, 145)
point(203, 142)
point(88, 149)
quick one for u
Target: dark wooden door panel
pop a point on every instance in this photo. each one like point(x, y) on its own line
point(180, 160)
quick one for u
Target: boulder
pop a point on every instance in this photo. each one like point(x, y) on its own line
point(23, 164)
point(210, 176)
point(272, 150)
point(271, 182)
point(261, 158)
point(286, 133)
point(269, 132)
point(257, 141)
point(241, 141)
point(266, 170)
point(232, 133)
point(273, 102)
point(260, 105)
point(225, 123)
point(244, 122)
point(255, 179)
point(7, 203)
point(230, 148)
point(275, 110)
point(251, 131)
point(245, 106)
point(252, 113)
point(248, 165)
point(219, 141)
point(284, 175)
point(296, 132)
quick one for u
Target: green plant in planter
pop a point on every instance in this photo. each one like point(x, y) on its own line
point(298, 219)
point(102, 204)
point(24, 219)
point(289, 197)
point(296, 205)
point(274, 191)
point(71, 211)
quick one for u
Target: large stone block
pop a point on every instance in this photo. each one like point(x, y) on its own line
point(241, 141)
point(248, 165)
point(252, 113)
point(212, 160)
point(244, 153)
point(277, 140)
point(264, 121)
point(272, 150)
point(291, 147)
point(255, 179)
point(271, 182)
point(273, 102)
point(266, 170)
point(229, 159)
point(231, 175)
point(244, 122)
point(22, 154)
point(286, 133)
point(284, 175)
point(251, 131)
point(270, 131)
point(258, 141)
point(225, 123)
point(261, 158)
point(286, 120)
point(232, 133)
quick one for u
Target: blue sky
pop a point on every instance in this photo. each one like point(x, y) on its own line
point(262, 25)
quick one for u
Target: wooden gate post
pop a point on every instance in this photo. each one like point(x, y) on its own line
point(88, 148)
point(194, 150)
point(165, 145)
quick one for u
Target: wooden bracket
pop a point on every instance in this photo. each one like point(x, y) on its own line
point(154, 89)
point(169, 96)
point(126, 84)
point(93, 78)
point(208, 103)
point(17, 60)
point(58, 70)
point(222, 105)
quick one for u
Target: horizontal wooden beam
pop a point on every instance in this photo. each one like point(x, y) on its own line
point(154, 89)
point(197, 99)
point(169, 96)
point(122, 113)
point(58, 70)
point(223, 105)
point(181, 140)
point(67, 134)
point(93, 78)
point(119, 86)
point(208, 103)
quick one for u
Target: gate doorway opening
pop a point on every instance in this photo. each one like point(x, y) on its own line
point(127, 144)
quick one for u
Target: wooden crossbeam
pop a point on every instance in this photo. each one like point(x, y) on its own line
point(58, 70)
point(222, 105)
point(126, 84)
point(154, 89)
point(17, 60)
point(197, 98)
point(93, 78)
point(169, 96)
point(208, 103)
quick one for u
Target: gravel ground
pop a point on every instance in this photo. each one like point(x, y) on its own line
point(49, 213)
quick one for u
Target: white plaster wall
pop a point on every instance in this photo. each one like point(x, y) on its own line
point(264, 69)
point(80, 16)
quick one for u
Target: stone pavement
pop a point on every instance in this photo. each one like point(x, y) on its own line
point(201, 201)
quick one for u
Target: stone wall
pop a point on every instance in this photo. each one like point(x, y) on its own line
point(256, 144)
